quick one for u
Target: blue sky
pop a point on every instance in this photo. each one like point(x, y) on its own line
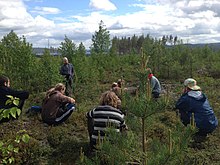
point(48, 21)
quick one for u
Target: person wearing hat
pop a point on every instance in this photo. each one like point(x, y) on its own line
point(193, 100)
point(155, 84)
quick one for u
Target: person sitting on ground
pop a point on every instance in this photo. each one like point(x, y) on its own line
point(104, 115)
point(117, 90)
point(120, 83)
point(57, 107)
point(155, 84)
point(5, 91)
point(193, 100)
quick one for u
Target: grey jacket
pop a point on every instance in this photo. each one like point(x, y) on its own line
point(67, 70)
point(155, 85)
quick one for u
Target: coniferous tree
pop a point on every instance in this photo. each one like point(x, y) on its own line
point(17, 58)
point(67, 48)
point(115, 46)
point(81, 51)
point(101, 40)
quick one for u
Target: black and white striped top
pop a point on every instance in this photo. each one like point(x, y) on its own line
point(103, 117)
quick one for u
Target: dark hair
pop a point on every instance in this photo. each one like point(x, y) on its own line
point(3, 80)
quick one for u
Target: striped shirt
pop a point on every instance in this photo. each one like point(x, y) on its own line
point(104, 117)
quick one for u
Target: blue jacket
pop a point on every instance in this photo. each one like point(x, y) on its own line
point(196, 102)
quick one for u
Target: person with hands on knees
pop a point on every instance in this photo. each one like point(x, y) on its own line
point(193, 100)
point(56, 107)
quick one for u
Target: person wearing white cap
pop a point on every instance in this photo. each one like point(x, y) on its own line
point(193, 100)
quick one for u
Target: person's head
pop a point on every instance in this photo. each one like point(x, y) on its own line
point(114, 84)
point(4, 81)
point(120, 82)
point(60, 87)
point(150, 75)
point(65, 60)
point(191, 84)
point(109, 98)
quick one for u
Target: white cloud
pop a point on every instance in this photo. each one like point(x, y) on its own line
point(196, 20)
point(102, 5)
point(46, 10)
point(13, 15)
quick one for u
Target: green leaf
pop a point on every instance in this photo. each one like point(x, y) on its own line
point(25, 138)
point(4, 161)
point(16, 102)
point(11, 97)
point(13, 111)
point(18, 112)
point(17, 140)
point(11, 160)
point(16, 150)
point(1, 144)
point(1, 117)
point(10, 147)
point(6, 113)
point(8, 102)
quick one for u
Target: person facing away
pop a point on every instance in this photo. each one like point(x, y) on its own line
point(155, 85)
point(104, 115)
point(193, 100)
point(5, 90)
point(117, 90)
point(56, 107)
point(67, 70)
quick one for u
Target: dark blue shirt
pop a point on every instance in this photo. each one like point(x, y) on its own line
point(196, 102)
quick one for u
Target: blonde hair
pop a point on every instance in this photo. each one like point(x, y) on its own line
point(109, 98)
point(59, 87)
point(65, 59)
point(47, 95)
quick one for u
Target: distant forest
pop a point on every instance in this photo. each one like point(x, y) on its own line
point(170, 58)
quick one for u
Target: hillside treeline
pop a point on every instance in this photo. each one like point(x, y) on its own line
point(35, 74)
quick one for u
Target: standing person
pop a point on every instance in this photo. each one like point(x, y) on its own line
point(5, 90)
point(155, 85)
point(57, 107)
point(104, 115)
point(193, 100)
point(67, 70)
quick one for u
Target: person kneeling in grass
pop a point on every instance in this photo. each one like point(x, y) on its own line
point(57, 107)
point(104, 115)
point(193, 100)
point(5, 91)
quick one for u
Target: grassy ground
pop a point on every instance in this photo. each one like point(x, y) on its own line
point(62, 144)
